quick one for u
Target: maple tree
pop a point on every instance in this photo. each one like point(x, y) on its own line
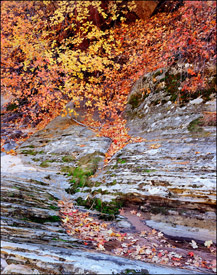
point(54, 52)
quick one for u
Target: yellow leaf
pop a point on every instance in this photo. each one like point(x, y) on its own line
point(208, 243)
point(66, 219)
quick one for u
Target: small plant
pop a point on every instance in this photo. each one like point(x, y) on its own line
point(28, 152)
point(36, 159)
point(122, 161)
point(44, 164)
point(68, 158)
point(53, 207)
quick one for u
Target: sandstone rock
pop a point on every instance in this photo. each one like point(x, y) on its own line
point(3, 264)
point(144, 9)
point(19, 269)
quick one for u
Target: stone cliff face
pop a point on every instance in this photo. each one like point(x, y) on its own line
point(173, 172)
point(32, 239)
point(170, 177)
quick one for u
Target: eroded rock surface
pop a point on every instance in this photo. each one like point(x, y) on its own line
point(171, 175)
point(33, 240)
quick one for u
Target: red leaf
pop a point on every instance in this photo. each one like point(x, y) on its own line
point(175, 259)
point(191, 254)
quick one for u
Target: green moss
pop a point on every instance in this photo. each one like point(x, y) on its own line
point(41, 152)
point(206, 93)
point(172, 83)
point(90, 162)
point(80, 178)
point(67, 169)
point(100, 191)
point(53, 207)
point(97, 183)
point(39, 182)
point(135, 100)
point(159, 72)
point(52, 198)
point(28, 146)
point(43, 220)
point(11, 195)
point(16, 187)
point(29, 152)
point(60, 240)
point(108, 209)
point(121, 161)
point(35, 159)
point(149, 170)
point(87, 166)
point(158, 210)
point(68, 158)
point(114, 182)
point(44, 164)
point(12, 107)
point(195, 125)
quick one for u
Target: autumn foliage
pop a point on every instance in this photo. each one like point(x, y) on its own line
point(56, 51)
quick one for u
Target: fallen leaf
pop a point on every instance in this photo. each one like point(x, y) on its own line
point(153, 231)
point(208, 243)
point(194, 244)
point(143, 233)
point(138, 214)
point(100, 247)
point(133, 212)
point(160, 234)
point(66, 219)
point(191, 254)
point(155, 146)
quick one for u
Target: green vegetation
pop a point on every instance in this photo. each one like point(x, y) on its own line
point(68, 170)
point(135, 100)
point(28, 146)
point(52, 198)
point(29, 152)
point(35, 159)
point(11, 107)
point(121, 161)
point(38, 182)
point(68, 158)
point(80, 178)
point(87, 166)
point(149, 170)
point(195, 125)
point(172, 83)
point(43, 220)
point(53, 207)
point(44, 164)
point(110, 209)
point(159, 210)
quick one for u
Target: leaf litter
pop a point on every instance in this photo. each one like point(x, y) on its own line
point(148, 245)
